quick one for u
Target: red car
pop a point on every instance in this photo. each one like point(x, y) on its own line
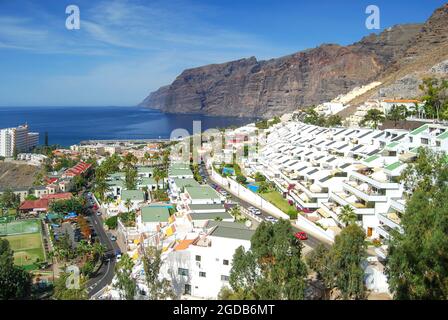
point(301, 236)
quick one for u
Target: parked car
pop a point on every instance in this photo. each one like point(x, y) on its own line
point(113, 238)
point(301, 236)
point(98, 213)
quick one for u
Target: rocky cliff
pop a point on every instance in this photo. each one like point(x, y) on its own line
point(248, 87)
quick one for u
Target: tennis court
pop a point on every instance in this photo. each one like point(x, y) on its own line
point(19, 227)
point(25, 240)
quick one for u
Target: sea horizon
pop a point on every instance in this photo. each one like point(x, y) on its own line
point(70, 125)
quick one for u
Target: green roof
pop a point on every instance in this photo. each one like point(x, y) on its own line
point(394, 166)
point(202, 192)
point(443, 136)
point(179, 165)
point(206, 206)
point(117, 175)
point(419, 130)
point(415, 150)
point(188, 182)
point(134, 195)
point(210, 215)
point(372, 158)
point(174, 172)
point(230, 230)
point(392, 145)
point(116, 183)
point(148, 181)
point(145, 169)
point(155, 214)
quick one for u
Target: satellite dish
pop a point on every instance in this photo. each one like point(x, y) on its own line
point(248, 223)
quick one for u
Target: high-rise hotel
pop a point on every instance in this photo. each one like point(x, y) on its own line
point(17, 140)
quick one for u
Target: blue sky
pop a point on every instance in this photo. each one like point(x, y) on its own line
point(127, 48)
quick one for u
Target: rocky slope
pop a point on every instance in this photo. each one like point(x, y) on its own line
point(248, 87)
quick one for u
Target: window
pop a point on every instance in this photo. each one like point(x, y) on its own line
point(198, 258)
point(224, 278)
point(225, 262)
point(182, 272)
point(202, 274)
point(425, 141)
point(187, 289)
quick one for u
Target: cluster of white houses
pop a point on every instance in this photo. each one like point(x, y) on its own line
point(196, 234)
point(321, 170)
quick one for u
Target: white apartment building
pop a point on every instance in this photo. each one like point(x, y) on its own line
point(17, 140)
point(321, 170)
point(200, 267)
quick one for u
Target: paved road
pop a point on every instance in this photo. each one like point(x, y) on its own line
point(106, 273)
point(312, 242)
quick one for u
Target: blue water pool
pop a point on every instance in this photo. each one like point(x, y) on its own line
point(228, 171)
point(253, 187)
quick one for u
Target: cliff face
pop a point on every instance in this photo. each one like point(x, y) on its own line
point(248, 87)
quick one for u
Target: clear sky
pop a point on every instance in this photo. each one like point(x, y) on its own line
point(127, 48)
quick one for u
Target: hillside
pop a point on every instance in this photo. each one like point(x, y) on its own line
point(16, 175)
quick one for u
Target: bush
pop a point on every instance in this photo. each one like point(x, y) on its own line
point(241, 179)
point(112, 222)
point(292, 213)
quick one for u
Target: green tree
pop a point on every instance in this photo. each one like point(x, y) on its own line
point(131, 178)
point(112, 222)
point(397, 113)
point(347, 253)
point(348, 215)
point(241, 179)
point(15, 283)
point(64, 292)
point(373, 117)
point(128, 204)
point(435, 97)
point(319, 260)
point(9, 199)
point(272, 268)
point(159, 289)
point(417, 261)
point(333, 121)
point(340, 266)
point(125, 282)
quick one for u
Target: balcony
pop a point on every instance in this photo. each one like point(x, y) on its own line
point(398, 205)
point(343, 199)
point(367, 194)
point(377, 184)
point(383, 232)
point(391, 220)
point(303, 200)
point(306, 187)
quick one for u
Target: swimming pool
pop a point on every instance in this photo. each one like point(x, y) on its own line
point(228, 171)
point(253, 187)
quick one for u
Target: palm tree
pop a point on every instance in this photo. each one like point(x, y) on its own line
point(128, 204)
point(348, 215)
point(374, 116)
point(157, 175)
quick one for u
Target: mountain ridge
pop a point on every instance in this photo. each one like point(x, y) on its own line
point(276, 86)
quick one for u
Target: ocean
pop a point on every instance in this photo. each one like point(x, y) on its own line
point(70, 125)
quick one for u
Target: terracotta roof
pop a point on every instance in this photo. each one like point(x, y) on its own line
point(58, 196)
point(80, 168)
point(184, 244)
point(34, 204)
